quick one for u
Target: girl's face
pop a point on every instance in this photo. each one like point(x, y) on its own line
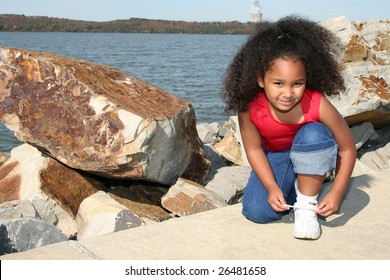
point(284, 83)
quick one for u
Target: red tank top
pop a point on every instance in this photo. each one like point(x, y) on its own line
point(277, 136)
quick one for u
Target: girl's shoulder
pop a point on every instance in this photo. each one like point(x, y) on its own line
point(311, 98)
point(258, 107)
point(312, 94)
point(310, 104)
point(259, 99)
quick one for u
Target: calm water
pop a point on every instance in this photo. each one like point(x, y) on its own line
point(186, 65)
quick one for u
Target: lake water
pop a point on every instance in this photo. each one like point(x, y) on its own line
point(186, 65)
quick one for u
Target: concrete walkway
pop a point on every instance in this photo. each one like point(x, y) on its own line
point(361, 230)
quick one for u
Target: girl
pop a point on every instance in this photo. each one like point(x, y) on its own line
point(291, 133)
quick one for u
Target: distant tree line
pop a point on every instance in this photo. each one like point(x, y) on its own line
point(22, 23)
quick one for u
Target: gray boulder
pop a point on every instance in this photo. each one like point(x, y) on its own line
point(20, 235)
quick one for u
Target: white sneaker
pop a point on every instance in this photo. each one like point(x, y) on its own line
point(306, 225)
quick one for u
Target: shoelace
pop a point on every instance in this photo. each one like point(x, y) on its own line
point(309, 207)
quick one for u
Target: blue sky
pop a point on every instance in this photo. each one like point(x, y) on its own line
point(197, 10)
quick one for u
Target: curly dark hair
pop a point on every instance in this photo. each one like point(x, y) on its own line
point(293, 37)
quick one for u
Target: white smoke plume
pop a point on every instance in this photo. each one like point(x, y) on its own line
point(255, 7)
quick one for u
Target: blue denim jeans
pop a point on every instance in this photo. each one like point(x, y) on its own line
point(314, 151)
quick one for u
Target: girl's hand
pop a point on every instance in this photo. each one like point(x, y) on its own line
point(276, 200)
point(329, 205)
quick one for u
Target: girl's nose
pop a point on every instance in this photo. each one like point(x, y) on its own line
point(288, 93)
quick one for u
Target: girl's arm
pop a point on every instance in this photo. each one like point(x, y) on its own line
point(259, 162)
point(345, 160)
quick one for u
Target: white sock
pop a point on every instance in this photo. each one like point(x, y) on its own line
point(304, 198)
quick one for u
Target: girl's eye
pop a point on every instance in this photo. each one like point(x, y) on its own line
point(278, 83)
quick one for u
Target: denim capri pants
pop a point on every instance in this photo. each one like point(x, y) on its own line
point(314, 151)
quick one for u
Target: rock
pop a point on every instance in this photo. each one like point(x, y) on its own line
point(229, 149)
point(20, 235)
point(377, 160)
point(139, 199)
point(65, 222)
point(36, 208)
point(45, 209)
point(3, 158)
point(19, 177)
point(42, 209)
point(230, 182)
point(237, 135)
point(223, 130)
point(100, 214)
point(99, 119)
point(18, 209)
point(216, 161)
point(27, 174)
point(362, 133)
point(215, 128)
point(366, 70)
point(50, 212)
point(187, 198)
point(207, 134)
point(67, 187)
point(383, 135)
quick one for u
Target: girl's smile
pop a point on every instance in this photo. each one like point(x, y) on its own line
point(284, 84)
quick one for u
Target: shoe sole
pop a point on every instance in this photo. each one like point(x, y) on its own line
point(304, 236)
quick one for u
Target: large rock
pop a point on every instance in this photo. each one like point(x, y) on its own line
point(99, 119)
point(366, 64)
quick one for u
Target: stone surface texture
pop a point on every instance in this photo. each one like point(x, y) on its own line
point(366, 70)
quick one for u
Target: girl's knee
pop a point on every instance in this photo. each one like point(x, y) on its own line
point(259, 215)
point(314, 133)
point(314, 150)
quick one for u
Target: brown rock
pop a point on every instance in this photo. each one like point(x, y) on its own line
point(230, 149)
point(65, 186)
point(187, 198)
point(99, 119)
point(356, 50)
point(140, 201)
point(9, 183)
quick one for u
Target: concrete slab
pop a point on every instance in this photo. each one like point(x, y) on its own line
point(68, 250)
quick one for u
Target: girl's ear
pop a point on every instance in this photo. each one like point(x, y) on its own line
point(260, 81)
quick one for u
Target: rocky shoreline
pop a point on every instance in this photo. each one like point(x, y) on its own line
point(105, 151)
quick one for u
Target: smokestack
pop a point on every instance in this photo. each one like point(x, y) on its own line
point(256, 15)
